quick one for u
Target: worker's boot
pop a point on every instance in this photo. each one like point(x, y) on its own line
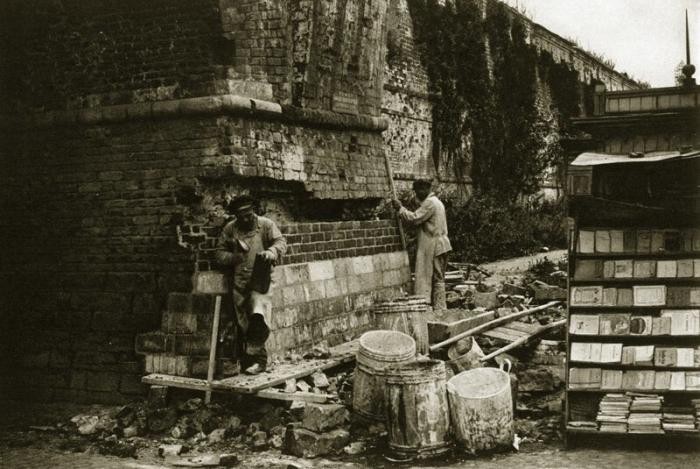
point(439, 303)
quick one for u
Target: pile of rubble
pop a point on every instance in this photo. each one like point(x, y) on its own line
point(190, 432)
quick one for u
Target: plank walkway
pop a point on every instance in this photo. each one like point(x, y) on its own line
point(512, 331)
point(247, 384)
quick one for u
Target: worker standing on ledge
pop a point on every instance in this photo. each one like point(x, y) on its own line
point(251, 245)
point(433, 243)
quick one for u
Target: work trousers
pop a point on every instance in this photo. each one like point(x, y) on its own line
point(438, 290)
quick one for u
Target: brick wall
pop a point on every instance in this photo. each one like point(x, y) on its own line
point(81, 54)
point(89, 225)
point(318, 301)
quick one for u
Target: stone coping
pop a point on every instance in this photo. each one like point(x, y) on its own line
point(205, 105)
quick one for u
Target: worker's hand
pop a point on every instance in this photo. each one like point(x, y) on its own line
point(268, 255)
point(397, 204)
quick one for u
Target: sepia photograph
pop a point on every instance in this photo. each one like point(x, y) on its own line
point(320, 234)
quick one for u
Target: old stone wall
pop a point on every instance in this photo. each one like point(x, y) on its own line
point(327, 298)
point(407, 104)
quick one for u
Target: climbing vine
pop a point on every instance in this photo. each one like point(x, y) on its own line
point(488, 116)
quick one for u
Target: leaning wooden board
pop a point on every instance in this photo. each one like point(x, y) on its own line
point(246, 384)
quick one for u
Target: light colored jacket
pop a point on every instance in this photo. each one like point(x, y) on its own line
point(432, 240)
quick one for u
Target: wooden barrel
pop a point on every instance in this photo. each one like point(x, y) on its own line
point(405, 315)
point(418, 420)
point(378, 351)
point(481, 408)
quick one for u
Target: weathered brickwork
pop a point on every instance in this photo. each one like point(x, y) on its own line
point(407, 105)
point(320, 301)
point(89, 230)
point(127, 128)
point(81, 54)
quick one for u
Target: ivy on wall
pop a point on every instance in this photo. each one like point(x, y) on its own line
point(491, 125)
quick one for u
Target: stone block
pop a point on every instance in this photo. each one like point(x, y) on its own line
point(382, 262)
point(210, 283)
point(332, 288)
point(321, 270)
point(178, 365)
point(154, 342)
point(296, 273)
point(181, 323)
point(314, 291)
point(362, 265)
point(323, 417)
point(342, 267)
point(278, 278)
point(307, 444)
point(398, 259)
point(192, 344)
point(292, 295)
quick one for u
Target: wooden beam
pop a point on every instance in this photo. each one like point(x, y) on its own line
point(280, 395)
point(176, 382)
point(524, 340)
point(492, 324)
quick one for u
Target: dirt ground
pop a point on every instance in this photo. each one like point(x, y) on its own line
point(23, 447)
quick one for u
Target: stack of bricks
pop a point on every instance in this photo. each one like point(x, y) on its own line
point(321, 293)
point(181, 346)
point(331, 300)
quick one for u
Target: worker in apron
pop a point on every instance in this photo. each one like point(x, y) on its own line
point(250, 245)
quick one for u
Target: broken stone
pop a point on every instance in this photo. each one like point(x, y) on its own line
point(307, 444)
point(130, 431)
point(190, 405)
point(290, 385)
point(272, 418)
point(258, 440)
point(321, 350)
point(205, 460)
point(511, 289)
point(356, 447)
point(89, 425)
point(205, 420)
point(253, 428)
point(170, 450)
point(303, 386)
point(158, 396)
point(233, 425)
point(296, 409)
point(277, 437)
point(320, 379)
point(216, 435)
point(453, 299)
point(322, 417)
point(160, 420)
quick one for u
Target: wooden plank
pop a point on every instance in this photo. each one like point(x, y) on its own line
point(175, 381)
point(491, 325)
point(514, 332)
point(280, 395)
point(246, 384)
point(522, 326)
point(524, 340)
point(498, 334)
